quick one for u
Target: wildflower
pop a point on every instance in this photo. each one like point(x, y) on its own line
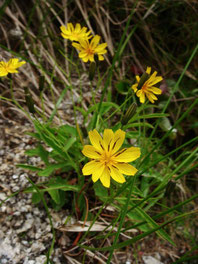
point(106, 158)
point(145, 86)
point(75, 34)
point(10, 66)
point(88, 49)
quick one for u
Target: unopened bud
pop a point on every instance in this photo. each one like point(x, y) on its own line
point(29, 101)
point(92, 69)
point(129, 114)
point(145, 76)
point(79, 133)
point(41, 83)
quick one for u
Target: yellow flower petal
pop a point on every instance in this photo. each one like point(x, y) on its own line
point(126, 168)
point(148, 70)
point(101, 48)
point(148, 95)
point(156, 80)
point(84, 44)
point(116, 175)
point(90, 152)
point(137, 78)
point(105, 178)
point(97, 172)
point(77, 28)
point(156, 90)
point(63, 29)
point(119, 137)
point(10, 66)
point(76, 45)
point(90, 167)
point(3, 72)
point(134, 87)
point(141, 95)
point(85, 59)
point(95, 41)
point(96, 140)
point(100, 57)
point(82, 54)
point(70, 27)
point(108, 139)
point(127, 155)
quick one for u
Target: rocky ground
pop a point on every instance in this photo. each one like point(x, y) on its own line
point(25, 233)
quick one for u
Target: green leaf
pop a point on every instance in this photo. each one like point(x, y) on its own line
point(34, 135)
point(58, 103)
point(43, 187)
point(55, 196)
point(100, 191)
point(49, 169)
point(38, 151)
point(69, 143)
point(153, 224)
point(139, 125)
point(122, 87)
point(155, 115)
point(49, 138)
point(67, 129)
point(36, 198)
point(28, 167)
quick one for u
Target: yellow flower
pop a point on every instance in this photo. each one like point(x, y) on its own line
point(106, 158)
point(145, 86)
point(88, 49)
point(10, 66)
point(74, 34)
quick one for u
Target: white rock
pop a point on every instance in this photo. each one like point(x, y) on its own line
point(15, 189)
point(37, 247)
point(27, 225)
point(15, 176)
point(40, 259)
point(31, 262)
point(2, 151)
point(2, 196)
point(150, 260)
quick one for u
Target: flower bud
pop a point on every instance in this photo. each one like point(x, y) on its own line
point(92, 69)
point(145, 76)
point(29, 101)
point(129, 113)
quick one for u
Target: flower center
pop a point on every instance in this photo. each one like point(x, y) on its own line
point(90, 51)
point(106, 158)
point(144, 87)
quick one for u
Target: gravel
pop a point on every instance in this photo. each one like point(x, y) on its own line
point(25, 232)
